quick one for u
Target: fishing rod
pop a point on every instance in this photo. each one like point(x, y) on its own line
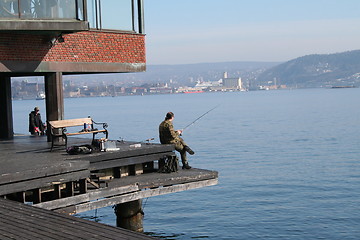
point(193, 122)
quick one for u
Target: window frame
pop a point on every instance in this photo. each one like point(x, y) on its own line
point(137, 26)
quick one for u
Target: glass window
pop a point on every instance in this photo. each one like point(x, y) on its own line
point(9, 9)
point(52, 9)
point(112, 14)
point(116, 14)
point(42, 9)
point(101, 14)
point(92, 13)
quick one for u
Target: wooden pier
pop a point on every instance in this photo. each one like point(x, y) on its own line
point(72, 184)
point(21, 221)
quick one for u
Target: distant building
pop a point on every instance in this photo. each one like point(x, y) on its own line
point(234, 83)
point(209, 84)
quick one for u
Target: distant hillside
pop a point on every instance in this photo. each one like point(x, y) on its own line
point(181, 74)
point(316, 71)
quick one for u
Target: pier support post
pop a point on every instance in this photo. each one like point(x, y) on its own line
point(54, 97)
point(130, 215)
point(6, 119)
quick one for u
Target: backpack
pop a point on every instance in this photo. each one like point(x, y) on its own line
point(82, 149)
point(171, 164)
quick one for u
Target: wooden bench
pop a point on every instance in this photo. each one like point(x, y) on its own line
point(58, 129)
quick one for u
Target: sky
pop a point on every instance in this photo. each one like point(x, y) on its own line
point(198, 31)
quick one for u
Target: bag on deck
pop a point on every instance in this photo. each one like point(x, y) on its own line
point(171, 164)
point(82, 149)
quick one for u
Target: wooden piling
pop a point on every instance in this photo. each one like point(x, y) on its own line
point(130, 215)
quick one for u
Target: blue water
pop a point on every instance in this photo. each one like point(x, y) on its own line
point(288, 161)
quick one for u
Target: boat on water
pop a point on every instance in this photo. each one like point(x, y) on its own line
point(194, 91)
point(343, 86)
point(40, 96)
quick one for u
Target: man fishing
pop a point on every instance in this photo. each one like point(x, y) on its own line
point(168, 135)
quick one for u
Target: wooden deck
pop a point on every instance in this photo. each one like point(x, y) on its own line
point(21, 221)
point(71, 184)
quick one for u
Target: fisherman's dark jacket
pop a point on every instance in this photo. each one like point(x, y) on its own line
point(167, 133)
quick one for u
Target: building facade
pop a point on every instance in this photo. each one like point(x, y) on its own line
point(54, 37)
point(232, 83)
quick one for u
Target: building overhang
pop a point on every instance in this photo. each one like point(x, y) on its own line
point(69, 67)
point(43, 25)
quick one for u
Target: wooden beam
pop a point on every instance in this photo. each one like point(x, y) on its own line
point(90, 196)
point(70, 189)
point(135, 196)
point(82, 186)
point(37, 195)
point(128, 161)
point(42, 182)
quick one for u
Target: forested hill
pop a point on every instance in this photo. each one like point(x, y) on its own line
point(318, 70)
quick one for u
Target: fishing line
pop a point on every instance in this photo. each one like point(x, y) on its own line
point(193, 122)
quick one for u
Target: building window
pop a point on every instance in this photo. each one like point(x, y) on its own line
point(115, 15)
point(42, 9)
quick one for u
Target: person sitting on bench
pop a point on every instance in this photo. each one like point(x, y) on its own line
point(36, 126)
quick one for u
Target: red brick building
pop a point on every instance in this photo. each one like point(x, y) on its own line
point(51, 38)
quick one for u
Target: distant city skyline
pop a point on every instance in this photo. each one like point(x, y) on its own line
point(188, 31)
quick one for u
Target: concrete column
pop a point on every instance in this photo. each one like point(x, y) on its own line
point(130, 215)
point(6, 119)
point(54, 97)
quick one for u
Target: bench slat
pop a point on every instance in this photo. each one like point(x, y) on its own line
point(70, 122)
point(78, 133)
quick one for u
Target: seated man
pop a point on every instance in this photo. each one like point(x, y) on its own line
point(36, 126)
point(168, 135)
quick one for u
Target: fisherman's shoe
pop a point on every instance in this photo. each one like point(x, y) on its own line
point(189, 150)
point(186, 166)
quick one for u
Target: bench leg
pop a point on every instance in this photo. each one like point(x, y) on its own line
point(65, 137)
point(52, 144)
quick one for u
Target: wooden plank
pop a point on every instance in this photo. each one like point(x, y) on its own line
point(132, 184)
point(70, 122)
point(119, 162)
point(12, 233)
point(90, 196)
point(15, 231)
point(86, 132)
point(42, 182)
point(127, 151)
point(151, 180)
point(40, 222)
point(11, 173)
point(137, 195)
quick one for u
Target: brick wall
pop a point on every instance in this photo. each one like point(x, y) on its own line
point(90, 47)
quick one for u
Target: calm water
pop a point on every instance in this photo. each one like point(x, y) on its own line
point(288, 161)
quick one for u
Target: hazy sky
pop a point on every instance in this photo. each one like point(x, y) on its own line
point(194, 31)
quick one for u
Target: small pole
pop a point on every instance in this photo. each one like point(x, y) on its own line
point(130, 215)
